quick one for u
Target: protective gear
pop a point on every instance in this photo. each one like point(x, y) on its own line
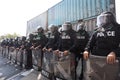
point(40, 29)
point(103, 42)
point(105, 19)
point(82, 39)
point(60, 30)
point(23, 38)
point(53, 40)
point(68, 41)
point(31, 36)
point(80, 27)
point(52, 28)
point(104, 48)
point(66, 26)
point(100, 20)
point(96, 69)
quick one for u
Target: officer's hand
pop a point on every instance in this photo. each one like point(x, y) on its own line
point(111, 58)
point(44, 49)
point(36, 48)
point(85, 55)
point(66, 52)
point(56, 52)
point(50, 49)
point(17, 48)
point(32, 47)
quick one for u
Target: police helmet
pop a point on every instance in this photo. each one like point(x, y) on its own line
point(52, 27)
point(23, 38)
point(66, 26)
point(80, 25)
point(40, 29)
point(105, 18)
point(60, 30)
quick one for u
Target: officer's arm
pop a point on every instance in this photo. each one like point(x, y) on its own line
point(60, 43)
point(117, 50)
point(73, 47)
point(57, 40)
point(91, 43)
point(44, 41)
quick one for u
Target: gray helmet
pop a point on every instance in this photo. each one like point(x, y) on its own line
point(105, 18)
point(52, 28)
point(60, 30)
point(40, 29)
point(100, 20)
point(66, 26)
point(80, 26)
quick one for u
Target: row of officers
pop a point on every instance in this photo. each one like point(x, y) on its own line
point(102, 48)
point(64, 39)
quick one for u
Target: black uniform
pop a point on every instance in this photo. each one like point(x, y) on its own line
point(53, 40)
point(82, 39)
point(28, 45)
point(68, 41)
point(104, 41)
point(40, 40)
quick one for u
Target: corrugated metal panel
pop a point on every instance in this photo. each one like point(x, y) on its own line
point(85, 10)
point(68, 16)
point(93, 7)
point(103, 2)
point(77, 9)
point(40, 20)
point(81, 9)
point(73, 10)
point(89, 8)
point(55, 14)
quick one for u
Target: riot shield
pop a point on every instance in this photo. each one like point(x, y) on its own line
point(37, 58)
point(3, 51)
point(11, 50)
point(47, 66)
point(96, 68)
point(20, 58)
point(13, 56)
point(24, 58)
point(64, 67)
point(7, 51)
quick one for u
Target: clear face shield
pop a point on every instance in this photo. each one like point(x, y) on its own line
point(39, 29)
point(51, 28)
point(107, 18)
point(80, 27)
point(60, 30)
point(66, 27)
point(100, 20)
point(103, 20)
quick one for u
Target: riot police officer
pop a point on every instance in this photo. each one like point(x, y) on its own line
point(53, 39)
point(82, 39)
point(39, 42)
point(104, 47)
point(67, 44)
point(40, 39)
point(68, 38)
point(28, 45)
